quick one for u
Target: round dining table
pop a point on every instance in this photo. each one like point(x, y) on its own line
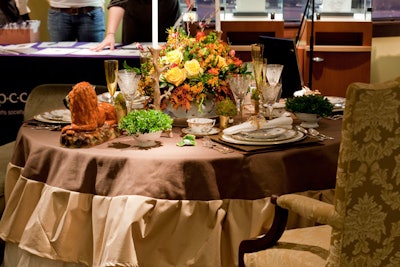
point(117, 204)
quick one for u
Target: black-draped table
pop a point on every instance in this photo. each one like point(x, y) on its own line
point(20, 73)
point(166, 206)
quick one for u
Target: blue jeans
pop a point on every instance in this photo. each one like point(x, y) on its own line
point(87, 27)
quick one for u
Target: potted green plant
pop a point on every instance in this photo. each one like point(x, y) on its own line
point(225, 109)
point(145, 125)
point(309, 108)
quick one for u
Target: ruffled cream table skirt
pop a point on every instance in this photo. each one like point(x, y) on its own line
point(48, 226)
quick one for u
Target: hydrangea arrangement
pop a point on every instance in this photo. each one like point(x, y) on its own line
point(195, 68)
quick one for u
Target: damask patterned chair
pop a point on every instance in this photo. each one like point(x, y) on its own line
point(362, 227)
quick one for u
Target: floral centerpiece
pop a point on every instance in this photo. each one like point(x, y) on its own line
point(193, 69)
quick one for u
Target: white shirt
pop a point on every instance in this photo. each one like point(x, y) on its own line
point(75, 3)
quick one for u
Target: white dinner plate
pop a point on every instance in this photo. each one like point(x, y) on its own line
point(214, 130)
point(297, 137)
point(59, 116)
point(266, 135)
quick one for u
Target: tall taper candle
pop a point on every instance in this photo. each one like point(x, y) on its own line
point(154, 21)
point(217, 15)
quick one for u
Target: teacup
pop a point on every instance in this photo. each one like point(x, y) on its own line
point(200, 125)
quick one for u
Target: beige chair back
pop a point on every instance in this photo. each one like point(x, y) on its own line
point(47, 97)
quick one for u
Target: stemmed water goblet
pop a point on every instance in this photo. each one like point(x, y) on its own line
point(239, 84)
point(128, 83)
point(111, 72)
point(270, 95)
point(272, 89)
point(273, 73)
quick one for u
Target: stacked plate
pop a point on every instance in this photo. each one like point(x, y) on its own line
point(59, 116)
point(337, 102)
point(268, 136)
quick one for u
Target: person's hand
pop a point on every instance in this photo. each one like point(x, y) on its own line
point(108, 41)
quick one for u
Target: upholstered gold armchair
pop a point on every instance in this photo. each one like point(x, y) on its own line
point(362, 227)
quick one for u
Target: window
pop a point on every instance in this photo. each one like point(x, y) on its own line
point(386, 10)
point(293, 9)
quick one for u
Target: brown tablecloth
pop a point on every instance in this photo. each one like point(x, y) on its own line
point(165, 206)
point(171, 172)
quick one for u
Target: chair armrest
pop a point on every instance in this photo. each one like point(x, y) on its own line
point(311, 209)
point(270, 238)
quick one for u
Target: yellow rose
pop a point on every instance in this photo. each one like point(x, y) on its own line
point(193, 68)
point(174, 57)
point(175, 75)
point(221, 62)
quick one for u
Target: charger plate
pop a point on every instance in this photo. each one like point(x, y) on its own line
point(297, 137)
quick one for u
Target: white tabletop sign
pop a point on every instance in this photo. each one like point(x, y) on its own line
point(336, 6)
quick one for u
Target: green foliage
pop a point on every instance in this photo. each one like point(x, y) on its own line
point(312, 104)
point(145, 121)
point(226, 107)
point(129, 68)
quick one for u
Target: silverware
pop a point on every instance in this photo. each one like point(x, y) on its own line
point(47, 127)
point(314, 132)
point(207, 142)
point(304, 130)
point(335, 117)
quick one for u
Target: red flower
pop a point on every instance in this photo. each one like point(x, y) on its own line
point(200, 36)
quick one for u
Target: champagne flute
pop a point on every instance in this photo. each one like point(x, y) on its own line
point(257, 51)
point(257, 54)
point(111, 71)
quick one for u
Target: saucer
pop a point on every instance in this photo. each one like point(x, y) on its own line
point(214, 130)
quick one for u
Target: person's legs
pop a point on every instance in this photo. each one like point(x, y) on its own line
point(91, 26)
point(60, 26)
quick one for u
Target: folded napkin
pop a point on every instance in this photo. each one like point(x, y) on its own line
point(254, 124)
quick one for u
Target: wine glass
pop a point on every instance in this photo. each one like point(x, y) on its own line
point(239, 84)
point(270, 94)
point(111, 71)
point(274, 72)
point(272, 89)
point(128, 82)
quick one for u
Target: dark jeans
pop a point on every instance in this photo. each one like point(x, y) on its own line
point(88, 27)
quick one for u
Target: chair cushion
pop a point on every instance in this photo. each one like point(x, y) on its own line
point(306, 247)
